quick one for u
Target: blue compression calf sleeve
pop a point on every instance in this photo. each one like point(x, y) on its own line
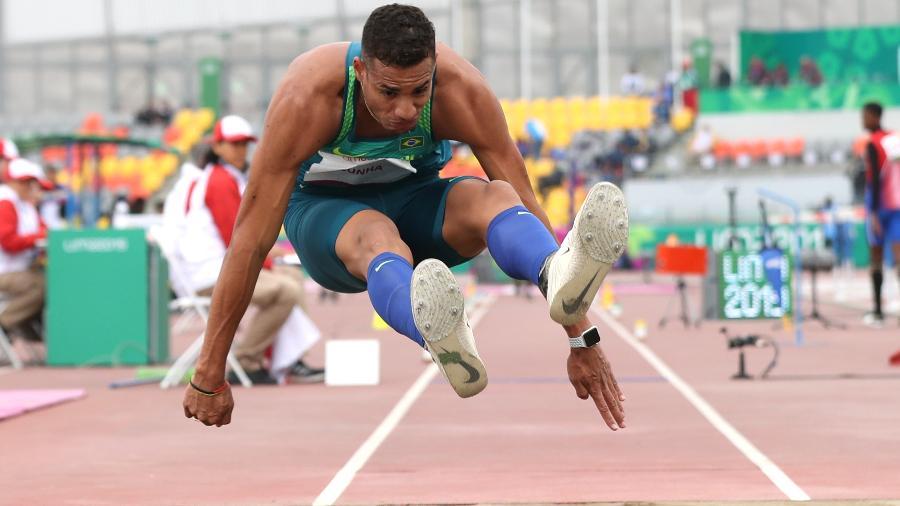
point(389, 278)
point(520, 243)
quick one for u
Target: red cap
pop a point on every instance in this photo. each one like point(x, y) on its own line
point(8, 149)
point(233, 129)
point(21, 169)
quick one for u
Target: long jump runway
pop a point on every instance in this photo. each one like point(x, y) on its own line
point(825, 425)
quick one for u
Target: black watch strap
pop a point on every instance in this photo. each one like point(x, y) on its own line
point(587, 339)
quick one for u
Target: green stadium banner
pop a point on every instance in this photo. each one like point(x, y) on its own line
point(864, 54)
point(107, 299)
point(701, 56)
point(797, 97)
point(857, 65)
point(745, 294)
point(211, 84)
point(642, 239)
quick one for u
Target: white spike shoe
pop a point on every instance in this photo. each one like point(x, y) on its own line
point(572, 276)
point(440, 315)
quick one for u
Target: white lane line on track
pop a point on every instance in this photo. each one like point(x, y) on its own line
point(769, 468)
point(336, 487)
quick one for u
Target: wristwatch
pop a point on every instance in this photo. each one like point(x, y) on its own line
point(587, 339)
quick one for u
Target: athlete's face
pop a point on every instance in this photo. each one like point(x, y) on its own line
point(870, 120)
point(232, 153)
point(395, 96)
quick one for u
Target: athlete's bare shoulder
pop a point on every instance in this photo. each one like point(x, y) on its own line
point(317, 73)
point(305, 112)
point(456, 77)
point(464, 106)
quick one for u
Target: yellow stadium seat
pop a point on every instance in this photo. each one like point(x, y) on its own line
point(64, 178)
point(183, 118)
point(682, 120)
point(542, 167)
point(128, 166)
point(109, 166)
point(205, 118)
point(169, 164)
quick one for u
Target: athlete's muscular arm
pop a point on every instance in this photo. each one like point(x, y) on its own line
point(302, 117)
point(466, 110)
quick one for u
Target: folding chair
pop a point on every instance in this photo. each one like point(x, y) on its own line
point(6, 345)
point(188, 297)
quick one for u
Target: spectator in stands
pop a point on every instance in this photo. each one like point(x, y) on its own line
point(537, 134)
point(22, 236)
point(8, 152)
point(702, 144)
point(757, 75)
point(723, 76)
point(53, 205)
point(212, 206)
point(663, 100)
point(688, 84)
point(152, 114)
point(632, 82)
point(550, 181)
point(780, 76)
point(165, 113)
point(809, 72)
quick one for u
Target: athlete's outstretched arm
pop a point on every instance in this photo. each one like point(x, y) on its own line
point(467, 110)
point(298, 122)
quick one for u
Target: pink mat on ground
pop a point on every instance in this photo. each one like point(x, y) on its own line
point(17, 402)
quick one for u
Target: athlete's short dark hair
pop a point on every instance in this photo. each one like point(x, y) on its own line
point(398, 36)
point(873, 108)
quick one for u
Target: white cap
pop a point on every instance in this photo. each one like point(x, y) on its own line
point(8, 149)
point(21, 169)
point(233, 129)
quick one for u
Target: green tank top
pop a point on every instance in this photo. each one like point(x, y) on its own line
point(349, 160)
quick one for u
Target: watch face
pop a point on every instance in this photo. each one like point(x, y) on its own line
point(591, 337)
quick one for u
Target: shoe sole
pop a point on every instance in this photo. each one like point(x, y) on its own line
point(440, 315)
point(315, 378)
point(598, 239)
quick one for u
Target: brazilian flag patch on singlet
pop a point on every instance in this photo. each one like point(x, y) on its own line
point(407, 143)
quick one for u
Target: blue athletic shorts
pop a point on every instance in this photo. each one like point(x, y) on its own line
point(890, 228)
point(316, 215)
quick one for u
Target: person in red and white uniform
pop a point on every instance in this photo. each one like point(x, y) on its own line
point(8, 152)
point(22, 234)
point(211, 211)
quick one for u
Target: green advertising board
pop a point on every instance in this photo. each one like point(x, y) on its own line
point(858, 65)
point(642, 239)
point(107, 299)
point(797, 97)
point(863, 54)
point(701, 56)
point(211, 84)
point(744, 290)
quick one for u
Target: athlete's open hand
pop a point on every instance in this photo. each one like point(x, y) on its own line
point(211, 410)
point(591, 375)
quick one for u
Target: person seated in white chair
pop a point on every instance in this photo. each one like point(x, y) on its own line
point(22, 235)
point(212, 204)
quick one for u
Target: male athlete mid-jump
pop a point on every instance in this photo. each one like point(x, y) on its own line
point(354, 139)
